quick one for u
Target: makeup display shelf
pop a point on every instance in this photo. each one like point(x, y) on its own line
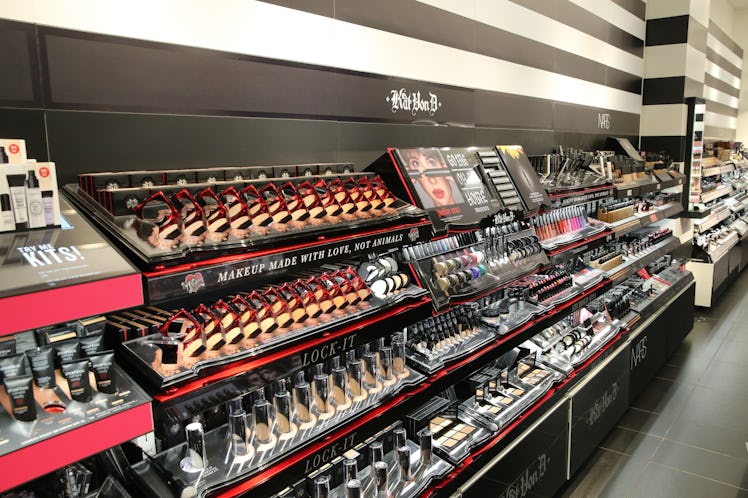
point(719, 253)
point(49, 275)
point(280, 349)
point(196, 235)
point(68, 427)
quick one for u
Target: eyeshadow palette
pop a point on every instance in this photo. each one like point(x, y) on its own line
point(450, 433)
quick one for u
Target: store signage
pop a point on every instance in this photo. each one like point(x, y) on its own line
point(603, 121)
point(48, 255)
point(602, 403)
point(327, 454)
point(639, 352)
point(327, 350)
point(180, 284)
point(413, 102)
point(527, 481)
point(447, 183)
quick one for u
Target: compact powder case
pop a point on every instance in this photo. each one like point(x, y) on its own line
point(449, 433)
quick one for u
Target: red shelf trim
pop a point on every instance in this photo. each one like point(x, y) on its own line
point(579, 243)
point(46, 456)
point(253, 363)
point(57, 305)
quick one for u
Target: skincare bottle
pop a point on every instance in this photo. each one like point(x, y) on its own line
point(18, 196)
point(7, 223)
point(48, 201)
point(34, 201)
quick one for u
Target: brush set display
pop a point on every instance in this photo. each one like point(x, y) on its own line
point(183, 342)
point(264, 424)
point(569, 169)
point(392, 463)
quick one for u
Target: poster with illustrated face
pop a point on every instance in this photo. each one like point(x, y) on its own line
point(525, 179)
point(447, 183)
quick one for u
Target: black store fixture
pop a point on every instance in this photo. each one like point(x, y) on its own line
point(452, 256)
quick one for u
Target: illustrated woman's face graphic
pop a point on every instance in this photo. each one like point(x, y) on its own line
point(438, 188)
point(418, 161)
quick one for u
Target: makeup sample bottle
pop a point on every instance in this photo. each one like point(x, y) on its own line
point(18, 196)
point(7, 222)
point(196, 453)
point(48, 202)
point(34, 201)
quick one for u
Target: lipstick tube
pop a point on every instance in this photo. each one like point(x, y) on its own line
point(385, 357)
point(398, 356)
point(322, 393)
point(353, 489)
point(340, 386)
point(401, 438)
point(370, 376)
point(282, 405)
point(355, 377)
point(350, 470)
point(322, 487)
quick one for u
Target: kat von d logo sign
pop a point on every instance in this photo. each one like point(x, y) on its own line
point(413, 102)
point(193, 282)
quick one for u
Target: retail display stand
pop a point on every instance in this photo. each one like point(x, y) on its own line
point(308, 330)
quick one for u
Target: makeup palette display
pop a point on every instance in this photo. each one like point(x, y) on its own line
point(434, 342)
point(171, 215)
point(564, 226)
point(461, 266)
point(392, 463)
point(183, 343)
point(573, 340)
point(267, 424)
point(455, 431)
point(501, 395)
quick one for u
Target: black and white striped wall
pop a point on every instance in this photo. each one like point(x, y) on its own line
point(175, 83)
point(687, 54)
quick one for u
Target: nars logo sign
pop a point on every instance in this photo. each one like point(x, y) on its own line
point(603, 121)
point(413, 102)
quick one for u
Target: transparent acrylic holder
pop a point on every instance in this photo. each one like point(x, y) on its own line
point(421, 476)
point(224, 467)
